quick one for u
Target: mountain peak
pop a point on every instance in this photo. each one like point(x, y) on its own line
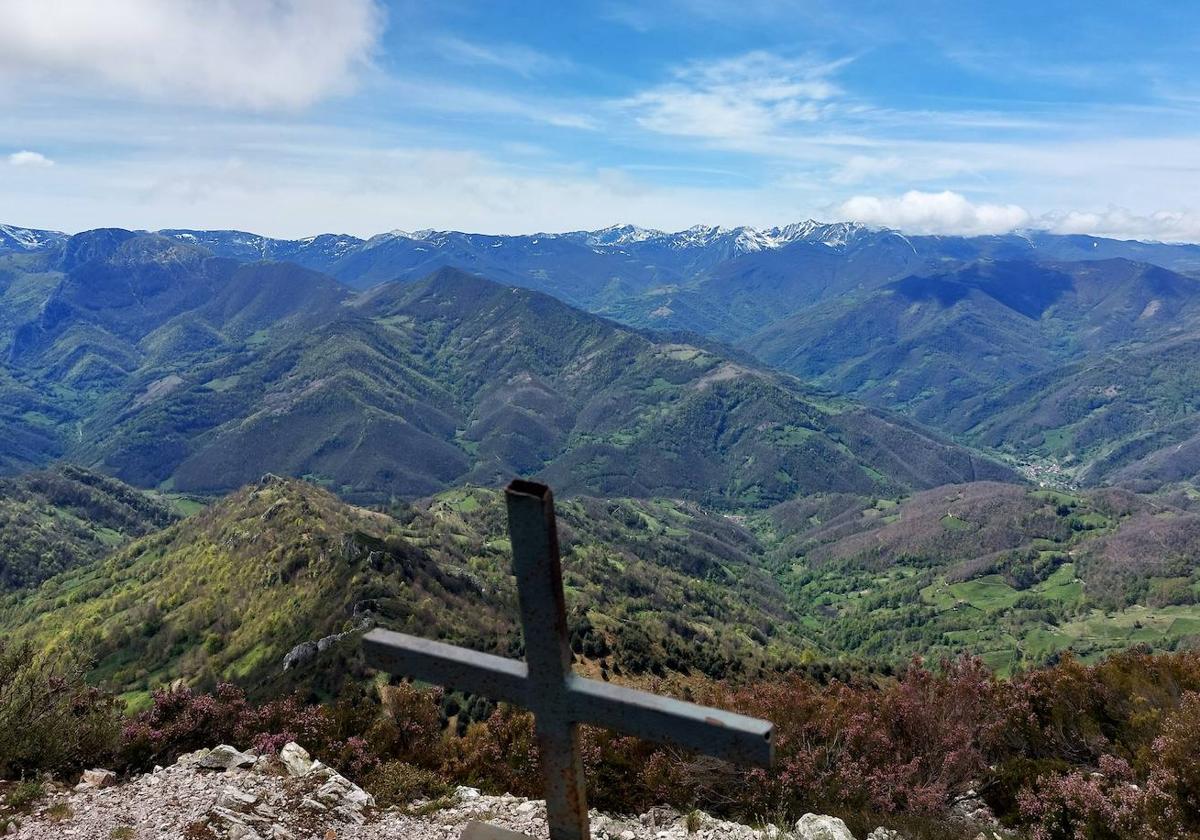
point(14, 238)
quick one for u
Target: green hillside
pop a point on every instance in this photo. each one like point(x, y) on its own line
point(228, 592)
point(1013, 574)
point(925, 344)
point(174, 369)
point(1128, 417)
point(58, 519)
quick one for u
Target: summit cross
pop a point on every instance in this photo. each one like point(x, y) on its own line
point(544, 683)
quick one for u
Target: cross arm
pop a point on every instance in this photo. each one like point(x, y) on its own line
point(443, 664)
point(714, 732)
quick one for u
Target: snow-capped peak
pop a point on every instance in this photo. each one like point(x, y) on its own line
point(28, 239)
point(613, 235)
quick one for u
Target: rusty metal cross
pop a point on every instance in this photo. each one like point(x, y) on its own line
point(544, 683)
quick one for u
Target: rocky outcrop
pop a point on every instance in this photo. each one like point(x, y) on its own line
point(222, 793)
point(227, 794)
point(96, 779)
point(305, 652)
point(821, 827)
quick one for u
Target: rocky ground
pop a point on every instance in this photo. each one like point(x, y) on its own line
point(224, 794)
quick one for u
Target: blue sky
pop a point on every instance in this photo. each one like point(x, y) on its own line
point(293, 117)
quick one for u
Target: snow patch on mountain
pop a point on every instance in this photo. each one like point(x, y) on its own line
point(28, 239)
point(738, 240)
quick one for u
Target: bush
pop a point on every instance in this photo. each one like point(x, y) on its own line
point(400, 783)
point(1094, 806)
point(180, 721)
point(51, 721)
point(24, 794)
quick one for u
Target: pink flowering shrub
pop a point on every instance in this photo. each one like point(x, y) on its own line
point(180, 721)
point(1088, 806)
point(1069, 752)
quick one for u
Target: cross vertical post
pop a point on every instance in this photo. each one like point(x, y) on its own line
point(544, 683)
point(534, 536)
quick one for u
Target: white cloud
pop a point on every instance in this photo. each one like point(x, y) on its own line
point(1121, 223)
point(746, 98)
point(258, 54)
point(34, 160)
point(952, 213)
point(934, 213)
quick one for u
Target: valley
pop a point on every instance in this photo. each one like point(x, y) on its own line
point(840, 370)
point(795, 468)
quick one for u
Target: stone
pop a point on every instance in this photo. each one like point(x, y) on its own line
point(321, 771)
point(96, 779)
point(338, 790)
point(821, 827)
point(661, 816)
point(235, 800)
point(192, 758)
point(224, 757)
point(188, 800)
point(882, 833)
point(238, 831)
point(268, 764)
point(349, 814)
point(296, 759)
point(972, 810)
point(299, 655)
point(483, 831)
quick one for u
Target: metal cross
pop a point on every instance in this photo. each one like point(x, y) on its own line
point(544, 683)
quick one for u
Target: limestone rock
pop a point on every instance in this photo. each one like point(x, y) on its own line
point(240, 831)
point(191, 759)
point(236, 800)
point(296, 759)
point(972, 810)
point(340, 791)
point(95, 779)
point(821, 827)
point(269, 803)
point(299, 655)
point(882, 833)
point(225, 757)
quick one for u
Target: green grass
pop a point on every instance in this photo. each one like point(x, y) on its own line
point(986, 593)
point(953, 523)
point(223, 384)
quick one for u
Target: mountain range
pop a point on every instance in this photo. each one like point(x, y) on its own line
point(956, 333)
point(807, 442)
point(152, 360)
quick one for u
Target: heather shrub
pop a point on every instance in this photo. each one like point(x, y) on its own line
point(408, 726)
point(180, 721)
point(1175, 768)
point(1105, 805)
point(51, 721)
point(499, 755)
point(905, 746)
point(400, 783)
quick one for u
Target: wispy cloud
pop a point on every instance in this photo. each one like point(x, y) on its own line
point(477, 103)
point(745, 98)
point(515, 58)
point(257, 54)
point(33, 160)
